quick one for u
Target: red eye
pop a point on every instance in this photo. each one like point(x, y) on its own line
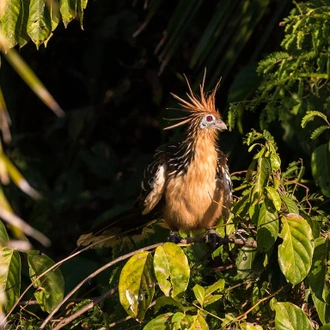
point(209, 118)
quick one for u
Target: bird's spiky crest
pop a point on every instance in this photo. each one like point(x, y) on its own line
point(196, 105)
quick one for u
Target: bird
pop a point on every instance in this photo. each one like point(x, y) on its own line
point(188, 182)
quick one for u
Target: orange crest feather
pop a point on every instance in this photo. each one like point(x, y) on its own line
point(196, 105)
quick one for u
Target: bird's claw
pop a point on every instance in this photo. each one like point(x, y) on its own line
point(213, 238)
point(174, 237)
point(240, 233)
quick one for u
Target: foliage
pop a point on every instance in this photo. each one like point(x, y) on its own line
point(21, 21)
point(271, 268)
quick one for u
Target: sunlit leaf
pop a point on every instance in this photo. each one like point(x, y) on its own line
point(290, 317)
point(171, 269)
point(159, 323)
point(199, 323)
point(290, 204)
point(50, 287)
point(310, 116)
point(296, 251)
point(164, 300)
point(137, 285)
point(68, 10)
point(199, 292)
point(10, 276)
point(18, 178)
point(32, 80)
point(39, 25)
point(317, 132)
point(274, 197)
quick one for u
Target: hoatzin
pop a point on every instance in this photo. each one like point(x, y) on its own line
point(188, 183)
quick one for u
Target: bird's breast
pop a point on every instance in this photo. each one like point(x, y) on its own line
point(193, 199)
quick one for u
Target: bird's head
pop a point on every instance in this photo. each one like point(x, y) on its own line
point(202, 114)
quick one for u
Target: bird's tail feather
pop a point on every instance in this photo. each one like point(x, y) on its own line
point(130, 221)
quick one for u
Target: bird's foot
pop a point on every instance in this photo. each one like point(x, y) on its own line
point(174, 237)
point(241, 234)
point(213, 238)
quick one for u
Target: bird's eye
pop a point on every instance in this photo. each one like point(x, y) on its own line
point(209, 118)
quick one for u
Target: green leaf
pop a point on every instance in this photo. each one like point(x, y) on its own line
point(50, 287)
point(323, 305)
point(3, 233)
point(268, 226)
point(199, 323)
point(310, 116)
point(10, 277)
point(321, 167)
point(181, 321)
point(263, 172)
point(296, 251)
point(172, 269)
point(9, 21)
point(290, 317)
point(274, 197)
point(325, 327)
point(217, 286)
point(316, 133)
point(244, 262)
point(137, 285)
point(317, 274)
point(68, 10)
point(163, 301)
point(39, 26)
point(290, 204)
point(275, 161)
point(199, 292)
point(161, 322)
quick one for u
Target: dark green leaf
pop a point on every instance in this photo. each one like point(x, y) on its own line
point(321, 167)
point(268, 226)
point(316, 277)
point(323, 305)
point(3, 233)
point(50, 287)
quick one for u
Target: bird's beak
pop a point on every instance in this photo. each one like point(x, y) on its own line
point(220, 125)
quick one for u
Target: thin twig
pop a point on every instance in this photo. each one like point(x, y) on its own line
point(85, 308)
point(55, 266)
point(92, 275)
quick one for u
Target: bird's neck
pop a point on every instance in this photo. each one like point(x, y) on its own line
point(200, 147)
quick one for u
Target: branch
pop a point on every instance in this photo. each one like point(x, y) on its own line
point(85, 308)
point(92, 275)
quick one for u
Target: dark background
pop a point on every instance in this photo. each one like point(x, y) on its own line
point(115, 90)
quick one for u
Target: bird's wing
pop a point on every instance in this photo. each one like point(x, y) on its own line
point(223, 176)
point(154, 181)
